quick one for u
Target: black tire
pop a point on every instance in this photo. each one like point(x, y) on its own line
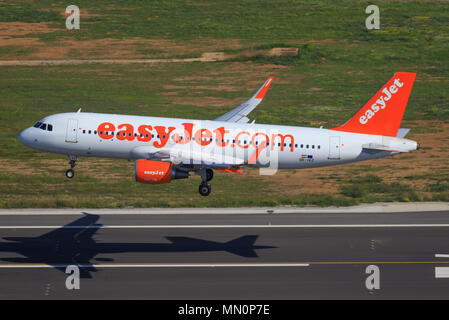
point(204, 189)
point(209, 174)
point(70, 173)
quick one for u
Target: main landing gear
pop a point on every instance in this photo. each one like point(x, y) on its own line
point(71, 173)
point(206, 175)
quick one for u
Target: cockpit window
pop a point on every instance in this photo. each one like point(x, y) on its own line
point(38, 124)
point(43, 126)
point(49, 127)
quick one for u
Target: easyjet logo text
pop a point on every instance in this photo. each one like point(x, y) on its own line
point(154, 173)
point(159, 136)
point(382, 102)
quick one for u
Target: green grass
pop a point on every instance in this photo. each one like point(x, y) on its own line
point(370, 188)
point(340, 65)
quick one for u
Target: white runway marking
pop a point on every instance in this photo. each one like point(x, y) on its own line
point(438, 255)
point(157, 265)
point(441, 272)
point(232, 226)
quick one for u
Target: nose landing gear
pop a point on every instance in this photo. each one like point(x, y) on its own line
point(71, 173)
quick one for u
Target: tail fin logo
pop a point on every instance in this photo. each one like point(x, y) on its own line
point(381, 103)
point(382, 114)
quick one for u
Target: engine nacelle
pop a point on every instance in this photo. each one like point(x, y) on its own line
point(157, 172)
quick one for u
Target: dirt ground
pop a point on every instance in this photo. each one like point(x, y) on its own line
point(25, 35)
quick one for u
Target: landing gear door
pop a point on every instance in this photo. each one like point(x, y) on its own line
point(72, 131)
point(334, 148)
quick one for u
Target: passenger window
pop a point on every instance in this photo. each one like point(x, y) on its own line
point(95, 132)
point(302, 146)
point(90, 131)
point(307, 146)
point(318, 147)
point(84, 131)
point(313, 146)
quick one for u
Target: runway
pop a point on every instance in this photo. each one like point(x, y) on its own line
point(229, 255)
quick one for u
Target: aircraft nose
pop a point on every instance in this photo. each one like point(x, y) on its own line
point(25, 137)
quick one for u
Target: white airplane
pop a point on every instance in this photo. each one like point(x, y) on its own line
point(167, 148)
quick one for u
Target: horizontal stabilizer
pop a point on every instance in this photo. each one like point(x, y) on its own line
point(402, 132)
point(243, 246)
point(380, 147)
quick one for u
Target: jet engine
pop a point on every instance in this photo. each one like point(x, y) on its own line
point(157, 172)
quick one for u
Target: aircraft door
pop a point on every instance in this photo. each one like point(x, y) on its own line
point(72, 131)
point(334, 148)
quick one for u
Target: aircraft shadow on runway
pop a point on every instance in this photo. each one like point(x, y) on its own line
point(74, 245)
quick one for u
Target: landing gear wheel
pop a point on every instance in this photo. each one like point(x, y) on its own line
point(209, 174)
point(69, 173)
point(205, 189)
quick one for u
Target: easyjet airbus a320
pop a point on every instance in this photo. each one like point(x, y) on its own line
point(165, 149)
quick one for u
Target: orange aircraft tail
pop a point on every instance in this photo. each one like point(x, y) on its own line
point(382, 114)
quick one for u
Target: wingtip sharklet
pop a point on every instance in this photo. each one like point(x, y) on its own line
point(239, 113)
point(263, 90)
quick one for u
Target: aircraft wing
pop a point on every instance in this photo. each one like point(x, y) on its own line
point(203, 158)
point(179, 156)
point(238, 114)
point(73, 231)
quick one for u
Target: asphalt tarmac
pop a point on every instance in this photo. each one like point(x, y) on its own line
point(224, 254)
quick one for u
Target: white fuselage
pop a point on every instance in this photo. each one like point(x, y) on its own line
point(138, 137)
